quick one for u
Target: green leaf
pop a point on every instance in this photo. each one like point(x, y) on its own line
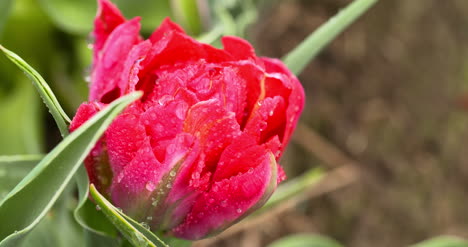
point(77, 16)
point(14, 168)
point(5, 6)
point(187, 14)
point(298, 58)
point(46, 93)
point(56, 229)
point(135, 233)
point(29, 201)
point(302, 240)
point(97, 240)
point(20, 128)
point(86, 214)
point(443, 241)
point(292, 188)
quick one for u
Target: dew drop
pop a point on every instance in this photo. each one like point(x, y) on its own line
point(271, 113)
point(145, 225)
point(149, 218)
point(172, 173)
point(211, 200)
point(168, 186)
point(150, 186)
point(98, 208)
point(259, 103)
point(251, 170)
point(239, 210)
point(154, 203)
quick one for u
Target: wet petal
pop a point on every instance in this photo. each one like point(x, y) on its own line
point(112, 62)
point(132, 187)
point(238, 48)
point(214, 126)
point(107, 19)
point(124, 138)
point(229, 200)
point(296, 99)
point(166, 27)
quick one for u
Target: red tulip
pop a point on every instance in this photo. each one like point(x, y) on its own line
point(199, 150)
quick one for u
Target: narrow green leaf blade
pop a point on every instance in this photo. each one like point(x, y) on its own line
point(292, 188)
point(301, 240)
point(131, 230)
point(187, 13)
point(297, 59)
point(443, 241)
point(46, 93)
point(13, 168)
point(86, 214)
point(30, 200)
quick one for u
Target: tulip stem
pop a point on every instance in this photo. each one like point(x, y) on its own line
point(292, 188)
point(300, 56)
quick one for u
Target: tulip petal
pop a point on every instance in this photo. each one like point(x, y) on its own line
point(107, 19)
point(162, 123)
point(124, 138)
point(112, 62)
point(238, 48)
point(133, 186)
point(229, 200)
point(164, 29)
point(296, 98)
point(214, 126)
point(96, 163)
point(176, 47)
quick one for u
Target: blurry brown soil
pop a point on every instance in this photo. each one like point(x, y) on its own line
point(386, 94)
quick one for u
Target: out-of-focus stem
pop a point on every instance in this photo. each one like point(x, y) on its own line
point(300, 56)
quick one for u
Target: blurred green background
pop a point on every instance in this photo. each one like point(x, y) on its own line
point(390, 95)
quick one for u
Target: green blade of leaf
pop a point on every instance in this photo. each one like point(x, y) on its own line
point(301, 240)
point(85, 212)
point(299, 57)
point(14, 168)
point(152, 237)
point(131, 230)
point(443, 241)
point(186, 13)
point(21, 125)
point(30, 200)
point(292, 188)
point(46, 93)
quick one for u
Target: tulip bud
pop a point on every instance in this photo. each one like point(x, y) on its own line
point(199, 150)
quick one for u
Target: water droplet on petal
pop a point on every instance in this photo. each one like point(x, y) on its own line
point(168, 186)
point(150, 186)
point(251, 170)
point(211, 200)
point(239, 210)
point(172, 173)
point(271, 113)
